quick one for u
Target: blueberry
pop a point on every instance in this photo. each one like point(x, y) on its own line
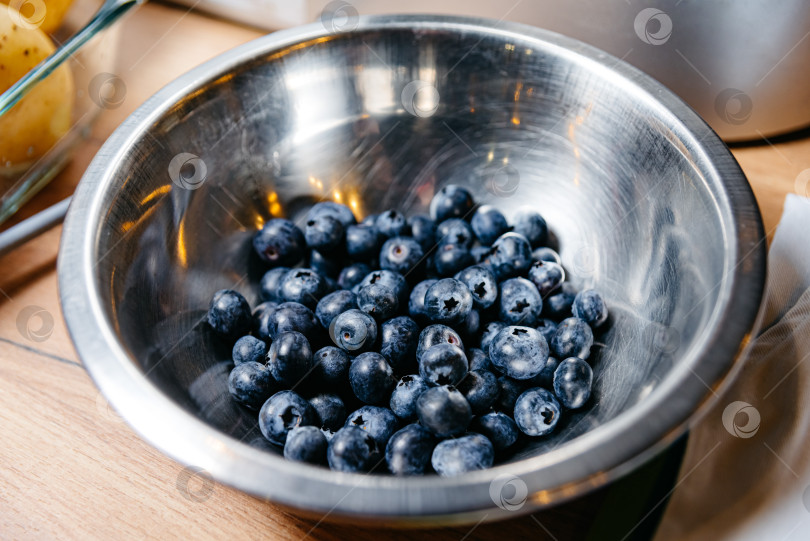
point(398, 340)
point(405, 394)
point(480, 253)
point(291, 316)
point(391, 279)
point(340, 212)
point(478, 359)
point(519, 352)
point(480, 389)
point(545, 377)
point(229, 314)
point(544, 253)
point(401, 254)
point(248, 349)
point(546, 276)
point(352, 449)
point(470, 327)
point(409, 450)
point(251, 384)
point(547, 328)
point(573, 338)
point(371, 378)
point(331, 410)
point(268, 287)
point(488, 334)
point(352, 275)
point(416, 301)
point(363, 241)
point(590, 307)
point(482, 284)
point(488, 223)
point(510, 255)
point(391, 224)
point(262, 315)
point(455, 231)
point(448, 301)
point(499, 428)
point(451, 258)
point(572, 382)
point(331, 367)
point(452, 201)
point(306, 444)
point(520, 303)
point(443, 364)
point(353, 331)
point(280, 243)
point(436, 334)
point(558, 305)
point(304, 286)
point(378, 300)
point(289, 357)
point(328, 266)
point(510, 390)
point(469, 453)
point(444, 411)
point(334, 304)
point(423, 229)
point(282, 412)
point(379, 422)
point(324, 233)
point(537, 412)
point(531, 225)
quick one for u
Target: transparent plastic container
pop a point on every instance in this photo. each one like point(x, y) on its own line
point(79, 74)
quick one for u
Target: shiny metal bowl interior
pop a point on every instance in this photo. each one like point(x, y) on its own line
point(647, 204)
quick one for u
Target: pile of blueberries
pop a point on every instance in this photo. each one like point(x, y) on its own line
point(358, 361)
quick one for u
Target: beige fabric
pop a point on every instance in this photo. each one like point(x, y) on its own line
point(742, 480)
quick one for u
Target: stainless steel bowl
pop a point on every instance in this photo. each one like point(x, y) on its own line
point(647, 204)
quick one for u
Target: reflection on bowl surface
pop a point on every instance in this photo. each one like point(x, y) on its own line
point(646, 203)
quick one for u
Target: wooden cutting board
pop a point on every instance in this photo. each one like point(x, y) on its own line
point(72, 469)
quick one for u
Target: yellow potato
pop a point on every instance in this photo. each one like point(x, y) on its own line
point(46, 14)
point(40, 119)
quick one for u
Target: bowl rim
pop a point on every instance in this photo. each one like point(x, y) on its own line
point(551, 477)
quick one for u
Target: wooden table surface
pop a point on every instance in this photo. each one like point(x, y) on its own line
point(71, 468)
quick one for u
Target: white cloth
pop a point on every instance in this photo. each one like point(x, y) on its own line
point(756, 485)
